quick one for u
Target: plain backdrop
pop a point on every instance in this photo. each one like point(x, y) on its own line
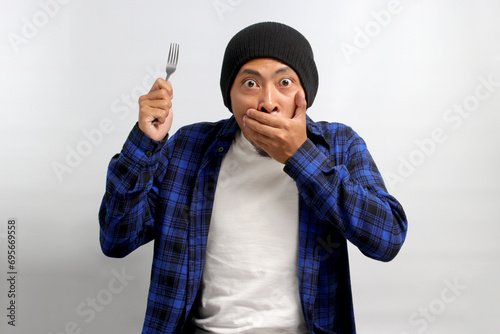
point(418, 80)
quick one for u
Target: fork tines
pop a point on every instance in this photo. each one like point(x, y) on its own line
point(173, 56)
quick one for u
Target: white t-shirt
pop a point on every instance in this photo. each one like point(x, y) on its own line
point(250, 282)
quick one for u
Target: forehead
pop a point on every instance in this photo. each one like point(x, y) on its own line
point(262, 66)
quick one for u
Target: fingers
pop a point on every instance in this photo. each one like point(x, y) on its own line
point(155, 107)
point(155, 110)
point(301, 104)
point(150, 114)
point(159, 97)
point(271, 120)
point(160, 84)
point(278, 135)
point(255, 118)
point(161, 90)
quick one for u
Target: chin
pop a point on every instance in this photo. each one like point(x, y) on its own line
point(262, 153)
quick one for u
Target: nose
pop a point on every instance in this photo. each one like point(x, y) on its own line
point(268, 99)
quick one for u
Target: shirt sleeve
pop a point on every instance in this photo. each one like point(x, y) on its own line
point(127, 209)
point(345, 189)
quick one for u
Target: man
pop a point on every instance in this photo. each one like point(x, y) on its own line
point(250, 215)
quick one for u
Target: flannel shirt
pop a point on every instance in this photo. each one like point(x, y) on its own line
point(164, 191)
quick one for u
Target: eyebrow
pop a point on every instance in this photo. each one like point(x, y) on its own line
point(255, 72)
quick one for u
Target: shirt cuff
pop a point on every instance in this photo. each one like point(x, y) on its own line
point(309, 161)
point(141, 149)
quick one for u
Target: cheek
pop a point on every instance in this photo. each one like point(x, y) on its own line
point(239, 111)
point(240, 105)
point(238, 100)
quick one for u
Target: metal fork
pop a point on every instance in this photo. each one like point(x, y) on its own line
point(173, 56)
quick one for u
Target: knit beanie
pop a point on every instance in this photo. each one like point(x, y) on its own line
point(270, 40)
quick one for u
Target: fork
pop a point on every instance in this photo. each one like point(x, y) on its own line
point(173, 56)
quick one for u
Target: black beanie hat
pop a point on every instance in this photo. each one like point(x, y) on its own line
point(270, 40)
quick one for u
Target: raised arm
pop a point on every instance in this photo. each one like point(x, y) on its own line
point(127, 210)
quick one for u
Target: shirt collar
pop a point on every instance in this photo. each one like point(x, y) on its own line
point(229, 128)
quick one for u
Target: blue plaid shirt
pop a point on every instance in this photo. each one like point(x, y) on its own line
point(164, 191)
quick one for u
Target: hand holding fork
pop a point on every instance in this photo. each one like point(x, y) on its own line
point(155, 113)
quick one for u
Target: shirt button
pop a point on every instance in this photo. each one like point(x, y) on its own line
point(149, 153)
point(221, 149)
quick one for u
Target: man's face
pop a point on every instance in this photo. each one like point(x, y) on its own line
point(266, 85)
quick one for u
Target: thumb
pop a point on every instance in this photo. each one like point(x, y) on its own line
point(301, 104)
point(160, 83)
point(156, 85)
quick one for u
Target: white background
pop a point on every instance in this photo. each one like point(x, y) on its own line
point(71, 68)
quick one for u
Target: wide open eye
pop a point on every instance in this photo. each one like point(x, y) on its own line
point(250, 83)
point(285, 82)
